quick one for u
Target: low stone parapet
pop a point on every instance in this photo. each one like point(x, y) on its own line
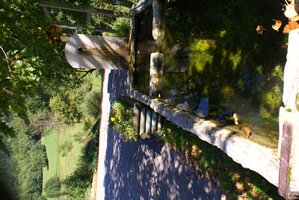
point(258, 158)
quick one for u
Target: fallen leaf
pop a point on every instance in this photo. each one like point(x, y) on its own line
point(276, 26)
point(246, 130)
point(240, 186)
point(260, 29)
point(254, 193)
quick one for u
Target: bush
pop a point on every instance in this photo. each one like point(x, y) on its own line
point(65, 148)
point(121, 119)
point(52, 187)
point(65, 108)
point(121, 26)
point(92, 104)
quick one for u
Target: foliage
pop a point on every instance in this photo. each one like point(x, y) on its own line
point(96, 20)
point(229, 53)
point(121, 26)
point(91, 105)
point(121, 119)
point(77, 185)
point(33, 70)
point(68, 139)
point(75, 170)
point(66, 147)
point(52, 187)
point(7, 178)
point(41, 122)
point(29, 157)
point(40, 101)
point(69, 105)
point(65, 107)
point(27, 58)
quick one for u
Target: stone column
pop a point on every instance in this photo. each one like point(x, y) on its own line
point(156, 74)
point(157, 31)
point(288, 149)
point(291, 73)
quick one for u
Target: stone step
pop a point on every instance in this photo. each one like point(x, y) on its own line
point(142, 120)
point(148, 121)
point(145, 120)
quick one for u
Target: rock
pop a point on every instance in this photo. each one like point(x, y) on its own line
point(184, 106)
point(157, 31)
point(203, 107)
point(192, 99)
point(156, 74)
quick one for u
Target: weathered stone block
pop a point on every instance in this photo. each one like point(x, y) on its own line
point(156, 74)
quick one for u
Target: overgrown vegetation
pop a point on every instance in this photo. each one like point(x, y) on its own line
point(41, 94)
point(52, 187)
point(34, 60)
point(27, 56)
point(228, 61)
point(26, 156)
point(121, 119)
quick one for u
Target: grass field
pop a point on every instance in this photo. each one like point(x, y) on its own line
point(67, 164)
point(64, 143)
point(52, 153)
point(62, 161)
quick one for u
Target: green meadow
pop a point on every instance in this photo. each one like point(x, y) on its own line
point(63, 148)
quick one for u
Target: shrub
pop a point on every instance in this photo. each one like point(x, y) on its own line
point(121, 26)
point(65, 148)
point(65, 108)
point(121, 119)
point(92, 104)
point(52, 187)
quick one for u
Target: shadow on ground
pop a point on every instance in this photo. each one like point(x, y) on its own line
point(149, 169)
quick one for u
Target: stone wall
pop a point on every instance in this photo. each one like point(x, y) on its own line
point(250, 155)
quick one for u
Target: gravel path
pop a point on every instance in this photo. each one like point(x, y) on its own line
point(146, 169)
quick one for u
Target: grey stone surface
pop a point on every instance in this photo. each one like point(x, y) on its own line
point(203, 107)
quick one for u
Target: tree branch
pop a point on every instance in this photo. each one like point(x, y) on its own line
point(87, 72)
point(6, 58)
